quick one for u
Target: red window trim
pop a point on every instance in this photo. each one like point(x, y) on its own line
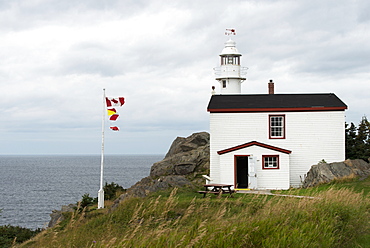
point(284, 127)
point(263, 162)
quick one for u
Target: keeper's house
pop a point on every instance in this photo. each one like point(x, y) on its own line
point(269, 141)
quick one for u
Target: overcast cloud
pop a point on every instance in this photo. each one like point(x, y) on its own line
point(57, 56)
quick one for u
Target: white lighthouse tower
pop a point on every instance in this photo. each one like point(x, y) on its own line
point(230, 74)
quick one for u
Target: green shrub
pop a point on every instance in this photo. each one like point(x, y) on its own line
point(112, 190)
point(10, 234)
point(86, 201)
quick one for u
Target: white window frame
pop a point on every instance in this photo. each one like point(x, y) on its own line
point(277, 127)
point(270, 162)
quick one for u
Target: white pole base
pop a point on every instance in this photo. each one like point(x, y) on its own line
point(100, 198)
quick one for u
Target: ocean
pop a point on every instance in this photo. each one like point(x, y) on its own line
point(33, 185)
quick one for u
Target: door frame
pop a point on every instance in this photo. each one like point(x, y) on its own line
point(236, 169)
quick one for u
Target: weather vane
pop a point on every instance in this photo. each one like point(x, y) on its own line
point(230, 31)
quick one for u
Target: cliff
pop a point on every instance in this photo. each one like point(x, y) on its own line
point(183, 166)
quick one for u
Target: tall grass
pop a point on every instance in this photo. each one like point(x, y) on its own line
point(333, 218)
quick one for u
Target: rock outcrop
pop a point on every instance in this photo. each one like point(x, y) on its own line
point(183, 166)
point(57, 215)
point(327, 172)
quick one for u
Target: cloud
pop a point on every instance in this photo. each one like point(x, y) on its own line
point(57, 57)
point(91, 58)
point(363, 8)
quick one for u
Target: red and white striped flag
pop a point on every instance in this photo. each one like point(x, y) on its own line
point(112, 112)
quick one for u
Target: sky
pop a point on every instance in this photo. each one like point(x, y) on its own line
point(56, 58)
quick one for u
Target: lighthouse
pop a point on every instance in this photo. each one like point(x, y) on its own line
point(230, 74)
point(268, 141)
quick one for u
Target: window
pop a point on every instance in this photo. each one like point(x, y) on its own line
point(223, 83)
point(277, 126)
point(270, 161)
point(230, 60)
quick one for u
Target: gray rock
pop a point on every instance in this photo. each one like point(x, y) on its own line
point(192, 142)
point(57, 215)
point(185, 156)
point(176, 181)
point(184, 168)
point(327, 172)
point(359, 167)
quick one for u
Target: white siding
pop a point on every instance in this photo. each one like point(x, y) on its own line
point(311, 136)
point(266, 178)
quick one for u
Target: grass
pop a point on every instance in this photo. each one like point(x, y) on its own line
point(353, 183)
point(337, 216)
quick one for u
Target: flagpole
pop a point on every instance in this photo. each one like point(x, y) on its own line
point(101, 190)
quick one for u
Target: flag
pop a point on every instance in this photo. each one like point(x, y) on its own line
point(112, 112)
point(118, 101)
point(230, 31)
point(113, 117)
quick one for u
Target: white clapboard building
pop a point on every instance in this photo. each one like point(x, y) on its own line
point(269, 141)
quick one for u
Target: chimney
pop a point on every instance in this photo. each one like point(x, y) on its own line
point(271, 87)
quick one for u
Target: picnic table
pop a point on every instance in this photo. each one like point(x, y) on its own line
point(217, 189)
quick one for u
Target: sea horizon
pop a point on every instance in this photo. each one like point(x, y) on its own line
point(34, 185)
